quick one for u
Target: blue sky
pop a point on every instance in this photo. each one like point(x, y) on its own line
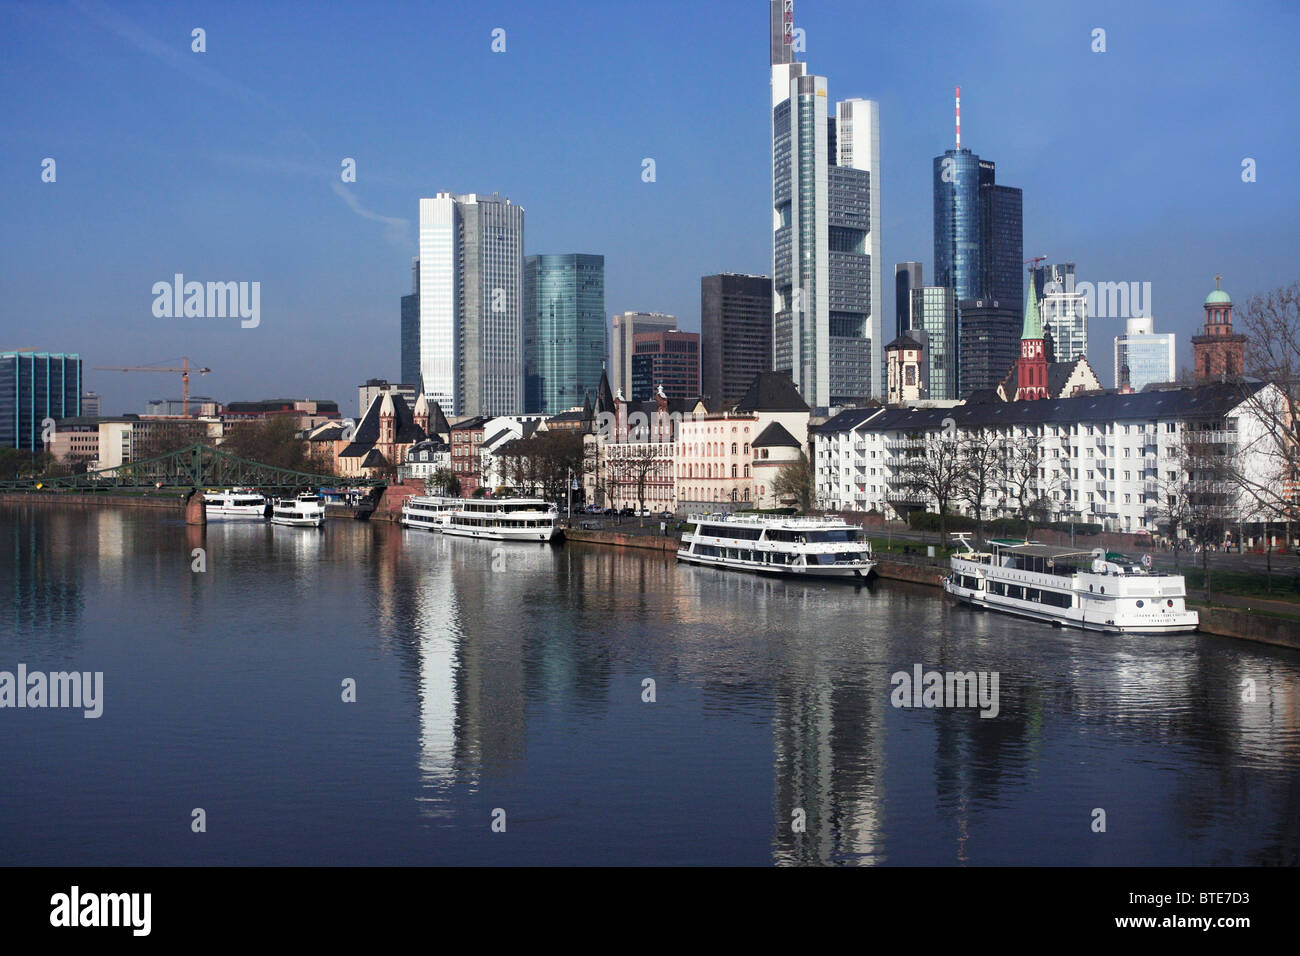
point(224, 165)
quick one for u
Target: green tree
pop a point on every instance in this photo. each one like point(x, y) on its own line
point(795, 480)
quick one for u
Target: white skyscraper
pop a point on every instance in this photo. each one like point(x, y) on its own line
point(471, 303)
point(826, 279)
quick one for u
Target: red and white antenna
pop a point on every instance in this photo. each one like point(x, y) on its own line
point(959, 117)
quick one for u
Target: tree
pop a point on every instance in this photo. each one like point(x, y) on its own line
point(980, 452)
point(796, 480)
point(272, 441)
point(1210, 492)
point(1271, 323)
point(1024, 476)
point(933, 468)
point(443, 481)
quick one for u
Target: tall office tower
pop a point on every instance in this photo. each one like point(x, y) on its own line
point(1064, 312)
point(623, 327)
point(978, 231)
point(35, 386)
point(90, 404)
point(990, 343)
point(934, 325)
point(564, 330)
point(907, 276)
point(667, 360)
point(1143, 355)
point(826, 286)
point(471, 303)
point(735, 334)
point(411, 328)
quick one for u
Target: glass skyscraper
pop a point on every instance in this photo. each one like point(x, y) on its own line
point(934, 324)
point(35, 386)
point(411, 331)
point(1064, 312)
point(1143, 355)
point(978, 253)
point(907, 276)
point(564, 330)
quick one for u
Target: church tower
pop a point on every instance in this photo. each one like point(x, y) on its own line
point(1031, 368)
point(1218, 352)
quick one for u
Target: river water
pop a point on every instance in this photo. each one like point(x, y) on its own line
point(507, 684)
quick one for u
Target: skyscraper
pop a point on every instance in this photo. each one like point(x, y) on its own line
point(471, 303)
point(907, 276)
point(1064, 312)
point(826, 286)
point(667, 360)
point(978, 235)
point(564, 330)
point(990, 343)
point(35, 386)
point(934, 325)
point(411, 329)
point(623, 327)
point(1143, 355)
point(735, 334)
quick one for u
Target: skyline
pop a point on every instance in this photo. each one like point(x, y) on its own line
point(154, 179)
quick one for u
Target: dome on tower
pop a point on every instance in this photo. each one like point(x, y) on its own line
point(1218, 297)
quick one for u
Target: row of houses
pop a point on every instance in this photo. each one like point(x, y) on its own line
point(1111, 458)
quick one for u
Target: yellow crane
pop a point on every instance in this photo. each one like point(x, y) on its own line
point(184, 370)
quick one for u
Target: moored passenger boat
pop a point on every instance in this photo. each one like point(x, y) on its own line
point(498, 519)
point(304, 511)
point(1095, 590)
point(778, 544)
point(234, 503)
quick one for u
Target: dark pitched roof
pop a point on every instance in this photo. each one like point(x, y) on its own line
point(1058, 373)
point(469, 424)
point(367, 432)
point(332, 432)
point(904, 341)
point(604, 397)
point(775, 435)
point(1204, 402)
point(374, 459)
point(772, 392)
point(846, 420)
point(437, 420)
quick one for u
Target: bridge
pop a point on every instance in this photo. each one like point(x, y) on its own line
point(194, 467)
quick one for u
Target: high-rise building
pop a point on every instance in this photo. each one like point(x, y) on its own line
point(1064, 311)
point(623, 327)
point(35, 386)
point(990, 343)
point(735, 334)
point(907, 276)
point(978, 234)
point(826, 286)
point(564, 330)
point(667, 360)
point(410, 329)
point(1143, 355)
point(934, 325)
point(374, 387)
point(471, 303)
point(90, 405)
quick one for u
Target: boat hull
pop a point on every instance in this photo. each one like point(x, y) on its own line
point(298, 521)
point(1180, 622)
point(235, 513)
point(857, 572)
point(500, 534)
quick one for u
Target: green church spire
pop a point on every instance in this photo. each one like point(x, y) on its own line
point(1033, 324)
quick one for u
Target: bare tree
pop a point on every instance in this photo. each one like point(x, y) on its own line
point(1024, 476)
point(933, 468)
point(796, 480)
point(1271, 323)
point(1208, 469)
point(979, 453)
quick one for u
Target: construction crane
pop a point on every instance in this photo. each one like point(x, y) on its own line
point(1032, 264)
point(184, 370)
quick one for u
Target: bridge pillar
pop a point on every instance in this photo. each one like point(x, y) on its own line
point(195, 511)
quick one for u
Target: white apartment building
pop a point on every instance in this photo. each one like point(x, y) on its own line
point(1108, 459)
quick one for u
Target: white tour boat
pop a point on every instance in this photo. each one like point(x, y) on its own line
point(1094, 590)
point(500, 519)
point(234, 503)
point(778, 544)
point(430, 513)
point(304, 511)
